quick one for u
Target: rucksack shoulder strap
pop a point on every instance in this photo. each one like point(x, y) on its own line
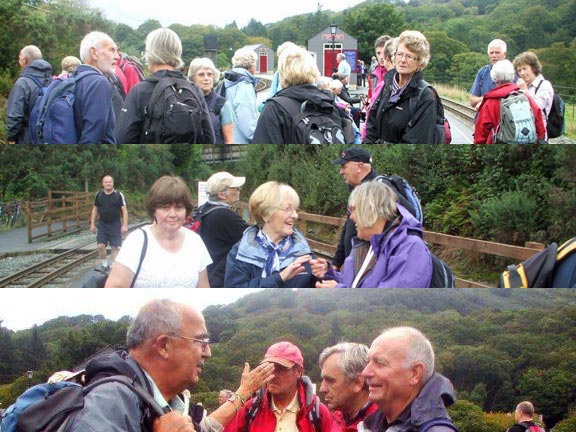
point(33, 78)
point(142, 256)
point(444, 422)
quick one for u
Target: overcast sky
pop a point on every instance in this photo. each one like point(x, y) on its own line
point(220, 13)
point(22, 308)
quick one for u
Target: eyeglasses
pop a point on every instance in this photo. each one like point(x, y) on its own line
point(289, 210)
point(408, 57)
point(282, 369)
point(204, 342)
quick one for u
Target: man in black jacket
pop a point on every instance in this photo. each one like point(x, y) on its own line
point(355, 168)
point(221, 227)
point(35, 74)
point(524, 416)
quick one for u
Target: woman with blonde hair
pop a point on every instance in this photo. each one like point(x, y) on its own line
point(272, 253)
point(388, 251)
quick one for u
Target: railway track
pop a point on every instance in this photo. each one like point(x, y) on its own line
point(464, 111)
point(59, 270)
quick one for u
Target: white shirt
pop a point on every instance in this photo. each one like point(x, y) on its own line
point(544, 96)
point(161, 268)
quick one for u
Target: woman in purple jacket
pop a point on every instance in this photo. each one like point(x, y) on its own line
point(388, 251)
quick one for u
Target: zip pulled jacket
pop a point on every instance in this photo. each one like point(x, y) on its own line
point(430, 404)
point(265, 420)
point(391, 122)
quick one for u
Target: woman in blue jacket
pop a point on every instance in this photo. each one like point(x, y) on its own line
point(388, 251)
point(272, 253)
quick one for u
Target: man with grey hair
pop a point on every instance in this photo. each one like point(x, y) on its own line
point(491, 128)
point(168, 345)
point(524, 417)
point(35, 74)
point(343, 386)
point(401, 380)
point(93, 111)
point(220, 226)
point(239, 87)
point(483, 83)
point(344, 67)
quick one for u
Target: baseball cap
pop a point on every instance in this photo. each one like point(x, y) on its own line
point(354, 154)
point(284, 353)
point(221, 181)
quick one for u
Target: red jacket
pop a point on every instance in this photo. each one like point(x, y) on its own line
point(265, 420)
point(338, 417)
point(489, 114)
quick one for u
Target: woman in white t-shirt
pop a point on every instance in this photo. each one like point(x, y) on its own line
point(531, 80)
point(175, 256)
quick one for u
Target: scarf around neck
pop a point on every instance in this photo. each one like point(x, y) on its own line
point(273, 252)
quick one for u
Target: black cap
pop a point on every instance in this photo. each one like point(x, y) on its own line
point(353, 154)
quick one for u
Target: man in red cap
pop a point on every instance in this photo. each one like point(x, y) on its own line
point(288, 403)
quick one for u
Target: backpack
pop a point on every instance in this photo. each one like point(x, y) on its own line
point(530, 428)
point(175, 113)
point(312, 125)
point(215, 104)
point(555, 123)
point(52, 119)
point(233, 77)
point(194, 221)
point(517, 121)
point(554, 267)
point(442, 131)
point(407, 195)
point(133, 61)
point(446, 422)
point(49, 407)
point(442, 275)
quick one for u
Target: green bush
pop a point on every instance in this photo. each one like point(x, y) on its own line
point(469, 417)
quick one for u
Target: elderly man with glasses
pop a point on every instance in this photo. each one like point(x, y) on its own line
point(168, 345)
point(288, 404)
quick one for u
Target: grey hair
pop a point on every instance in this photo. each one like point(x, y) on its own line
point(31, 52)
point(372, 201)
point(244, 58)
point(502, 71)
point(336, 84)
point(202, 63)
point(163, 47)
point(497, 43)
point(155, 318)
point(418, 349)
point(341, 56)
point(389, 48)
point(92, 40)
point(353, 359)
point(417, 43)
point(526, 408)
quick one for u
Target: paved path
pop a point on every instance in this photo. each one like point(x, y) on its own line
point(16, 240)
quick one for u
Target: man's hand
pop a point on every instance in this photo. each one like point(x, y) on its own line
point(124, 229)
point(93, 228)
point(173, 422)
point(252, 380)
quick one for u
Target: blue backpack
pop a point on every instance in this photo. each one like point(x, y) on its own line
point(47, 407)
point(407, 196)
point(52, 117)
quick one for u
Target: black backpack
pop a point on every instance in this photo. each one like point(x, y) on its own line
point(442, 132)
point(442, 275)
point(50, 407)
point(555, 123)
point(312, 125)
point(175, 113)
point(554, 267)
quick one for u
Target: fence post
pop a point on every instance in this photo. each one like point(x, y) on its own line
point(28, 220)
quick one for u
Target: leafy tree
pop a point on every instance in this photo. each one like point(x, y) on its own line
point(468, 417)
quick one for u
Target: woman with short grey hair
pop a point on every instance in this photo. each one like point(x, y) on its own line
point(165, 107)
point(388, 251)
point(394, 116)
point(204, 74)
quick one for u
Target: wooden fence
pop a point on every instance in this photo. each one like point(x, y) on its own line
point(61, 213)
point(515, 253)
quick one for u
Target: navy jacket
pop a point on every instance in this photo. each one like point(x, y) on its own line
point(93, 110)
point(22, 98)
point(246, 261)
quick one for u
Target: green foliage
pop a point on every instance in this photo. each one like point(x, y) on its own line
point(568, 424)
point(468, 417)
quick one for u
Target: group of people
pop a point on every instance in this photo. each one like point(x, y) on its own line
point(377, 247)
point(113, 104)
point(501, 78)
point(391, 385)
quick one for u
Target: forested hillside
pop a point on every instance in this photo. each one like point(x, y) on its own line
point(497, 346)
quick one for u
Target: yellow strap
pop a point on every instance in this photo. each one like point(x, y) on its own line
point(566, 248)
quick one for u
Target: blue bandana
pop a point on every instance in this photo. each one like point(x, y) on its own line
point(273, 252)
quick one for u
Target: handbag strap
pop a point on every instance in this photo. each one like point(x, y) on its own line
point(142, 255)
